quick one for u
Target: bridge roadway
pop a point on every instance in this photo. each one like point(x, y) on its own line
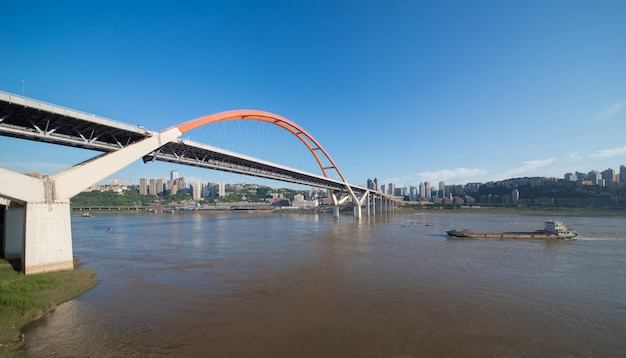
point(43, 239)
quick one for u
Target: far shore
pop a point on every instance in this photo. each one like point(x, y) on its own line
point(593, 212)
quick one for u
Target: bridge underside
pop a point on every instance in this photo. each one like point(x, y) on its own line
point(191, 153)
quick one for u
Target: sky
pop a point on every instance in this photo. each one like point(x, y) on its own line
point(402, 91)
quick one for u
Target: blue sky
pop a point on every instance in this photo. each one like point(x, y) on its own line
point(405, 91)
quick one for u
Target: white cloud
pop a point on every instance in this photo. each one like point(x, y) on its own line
point(610, 112)
point(572, 156)
point(527, 168)
point(609, 152)
point(450, 176)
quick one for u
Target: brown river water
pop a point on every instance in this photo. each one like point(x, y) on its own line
point(285, 285)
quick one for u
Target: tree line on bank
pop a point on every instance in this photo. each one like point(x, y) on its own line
point(132, 197)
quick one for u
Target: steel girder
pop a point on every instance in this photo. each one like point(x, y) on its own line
point(34, 120)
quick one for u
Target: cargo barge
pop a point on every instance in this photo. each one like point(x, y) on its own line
point(552, 230)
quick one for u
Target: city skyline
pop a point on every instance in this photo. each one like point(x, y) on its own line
point(404, 91)
point(595, 177)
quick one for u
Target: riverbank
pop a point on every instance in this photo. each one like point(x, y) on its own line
point(26, 298)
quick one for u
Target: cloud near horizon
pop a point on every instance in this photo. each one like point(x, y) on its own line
point(450, 176)
point(525, 169)
point(605, 153)
point(573, 156)
point(610, 112)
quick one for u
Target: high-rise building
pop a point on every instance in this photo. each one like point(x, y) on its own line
point(622, 173)
point(376, 184)
point(609, 175)
point(174, 175)
point(442, 189)
point(153, 187)
point(570, 177)
point(159, 185)
point(196, 191)
point(182, 183)
point(595, 177)
point(515, 195)
point(143, 186)
point(221, 191)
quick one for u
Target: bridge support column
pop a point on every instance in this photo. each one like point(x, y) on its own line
point(47, 238)
point(337, 202)
point(364, 200)
point(14, 224)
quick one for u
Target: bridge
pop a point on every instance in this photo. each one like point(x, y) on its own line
point(36, 211)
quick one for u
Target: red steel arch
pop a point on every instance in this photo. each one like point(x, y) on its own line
point(272, 118)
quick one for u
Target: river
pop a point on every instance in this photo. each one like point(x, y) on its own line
point(287, 285)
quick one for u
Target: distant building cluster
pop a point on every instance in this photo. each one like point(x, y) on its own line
point(203, 190)
point(424, 193)
point(176, 184)
point(466, 194)
point(605, 179)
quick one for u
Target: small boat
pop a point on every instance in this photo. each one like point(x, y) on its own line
point(552, 230)
point(86, 215)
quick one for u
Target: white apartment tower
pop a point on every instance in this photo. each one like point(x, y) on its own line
point(196, 191)
point(143, 186)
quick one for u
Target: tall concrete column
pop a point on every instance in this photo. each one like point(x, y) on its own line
point(47, 238)
point(3, 207)
point(14, 225)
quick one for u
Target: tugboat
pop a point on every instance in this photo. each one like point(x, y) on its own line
point(552, 230)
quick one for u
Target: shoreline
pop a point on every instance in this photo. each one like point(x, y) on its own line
point(591, 212)
point(27, 298)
